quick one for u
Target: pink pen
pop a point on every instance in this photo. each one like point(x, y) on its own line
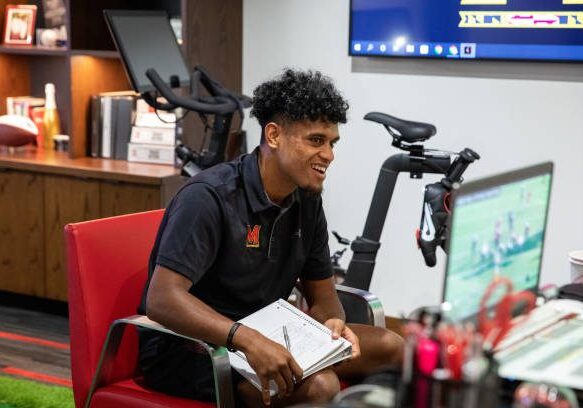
point(427, 355)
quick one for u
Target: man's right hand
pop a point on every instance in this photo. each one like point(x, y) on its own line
point(270, 360)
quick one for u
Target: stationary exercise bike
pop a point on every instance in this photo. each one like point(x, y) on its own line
point(407, 136)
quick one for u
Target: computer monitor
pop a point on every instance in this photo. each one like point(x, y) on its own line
point(467, 29)
point(145, 40)
point(497, 228)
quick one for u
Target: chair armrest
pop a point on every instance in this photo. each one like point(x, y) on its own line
point(219, 357)
point(361, 306)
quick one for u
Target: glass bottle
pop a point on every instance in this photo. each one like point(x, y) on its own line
point(51, 123)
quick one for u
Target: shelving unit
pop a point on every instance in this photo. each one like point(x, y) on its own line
point(90, 64)
point(31, 66)
point(48, 189)
point(33, 50)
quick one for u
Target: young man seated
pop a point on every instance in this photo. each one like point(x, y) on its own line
point(237, 237)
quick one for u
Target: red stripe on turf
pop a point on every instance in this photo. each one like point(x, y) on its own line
point(36, 376)
point(34, 340)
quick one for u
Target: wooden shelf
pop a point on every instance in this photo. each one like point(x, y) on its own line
point(51, 162)
point(33, 50)
point(96, 53)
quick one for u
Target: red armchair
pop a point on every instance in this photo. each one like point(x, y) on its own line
point(107, 267)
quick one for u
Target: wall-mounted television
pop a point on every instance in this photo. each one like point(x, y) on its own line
point(546, 30)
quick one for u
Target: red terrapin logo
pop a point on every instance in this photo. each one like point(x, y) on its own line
point(253, 236)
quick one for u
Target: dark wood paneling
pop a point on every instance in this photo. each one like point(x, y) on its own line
point(213, 38)
point(89, 30)
point(88, 27)
point(66, 200)
point(21, 233)
point(125, 198)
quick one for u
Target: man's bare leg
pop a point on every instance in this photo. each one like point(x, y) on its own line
point(379, 348)
point(319, 387)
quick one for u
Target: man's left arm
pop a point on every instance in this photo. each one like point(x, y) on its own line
point(322, 299)
point(325, 307)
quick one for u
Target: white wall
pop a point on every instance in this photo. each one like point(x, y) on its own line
point(510, 122)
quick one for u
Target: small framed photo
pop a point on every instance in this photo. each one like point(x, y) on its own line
point(19, 24)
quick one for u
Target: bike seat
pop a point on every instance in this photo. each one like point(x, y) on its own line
point(410, 132)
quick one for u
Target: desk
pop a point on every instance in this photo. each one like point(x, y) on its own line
point(507, 387)
point(384, 386)
point(42, 190)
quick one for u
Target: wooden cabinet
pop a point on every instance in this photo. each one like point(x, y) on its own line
point(40, 192)
point(21, 228)
point(66, 199)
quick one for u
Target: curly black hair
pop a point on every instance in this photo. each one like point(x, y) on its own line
point(296, 96)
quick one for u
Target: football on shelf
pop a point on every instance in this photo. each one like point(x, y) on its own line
point(16, 130)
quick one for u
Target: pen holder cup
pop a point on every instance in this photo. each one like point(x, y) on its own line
point(429, 392)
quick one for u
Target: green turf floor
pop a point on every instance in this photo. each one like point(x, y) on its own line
point(16, 393)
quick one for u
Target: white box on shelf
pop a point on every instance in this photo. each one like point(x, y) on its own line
point(148, 153)
point(152, 119)
point(153, 135)
point(148, 117)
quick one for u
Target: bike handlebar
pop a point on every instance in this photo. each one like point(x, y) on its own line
point(221, 101)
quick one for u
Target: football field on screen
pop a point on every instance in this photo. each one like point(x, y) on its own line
point(498, 233)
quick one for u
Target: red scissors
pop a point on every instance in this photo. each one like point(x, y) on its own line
point(495, 327)
point(454, 342)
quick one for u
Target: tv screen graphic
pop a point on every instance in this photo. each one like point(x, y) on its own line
point(545, 30)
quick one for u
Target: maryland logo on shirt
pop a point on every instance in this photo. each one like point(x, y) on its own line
point(253, 236)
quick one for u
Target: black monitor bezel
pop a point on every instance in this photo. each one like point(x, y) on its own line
point(126, 62)
point(490, 182)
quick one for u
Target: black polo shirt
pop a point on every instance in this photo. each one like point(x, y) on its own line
point(240, 250)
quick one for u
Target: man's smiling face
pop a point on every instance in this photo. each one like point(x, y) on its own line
point(305, 151)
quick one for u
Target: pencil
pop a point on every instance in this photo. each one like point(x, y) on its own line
point(286, 338)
